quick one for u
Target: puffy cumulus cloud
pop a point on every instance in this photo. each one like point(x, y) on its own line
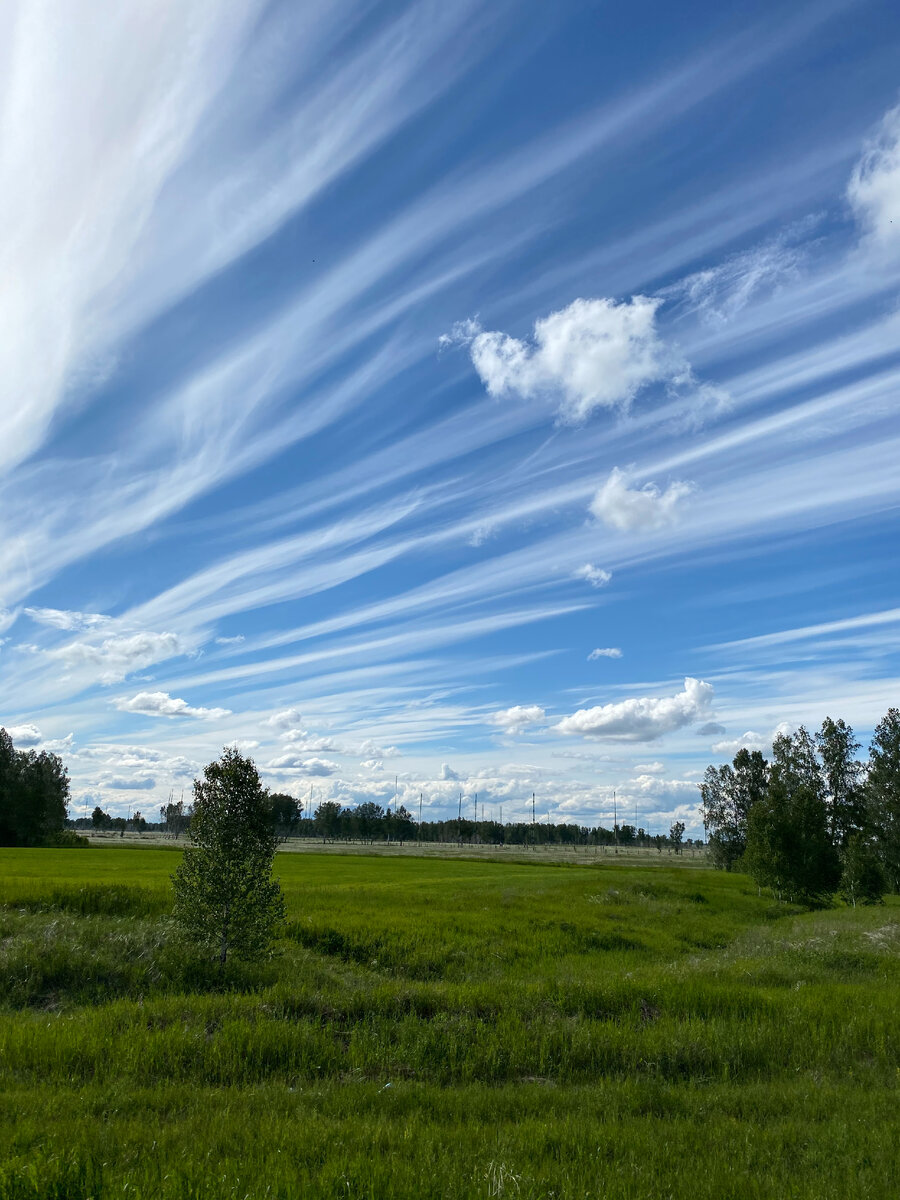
point(242, 745)
point(72, 622)
point(641, 719)
point(752, 741)
point(520, 716)
point(302, 739)
point(604, 652)
point(303, 766)
point(874, 188)
point(595, 576)
point(370, 749)
point(285, 719)
point(447, 773)
point(593, 354)
point(649, 768)
point(25, 736)
point(119, 656)
point(372, 764)
point(161, 704)
point(638, 510)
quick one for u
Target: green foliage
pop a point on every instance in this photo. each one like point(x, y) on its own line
point(676, 835)
point(226, 900)
point(728, 794)
point(788, 847)
point(883, 793)
point(34, 793)
point(863, 880)
point(842, 776)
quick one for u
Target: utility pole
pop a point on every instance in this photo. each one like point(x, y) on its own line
point(459, 820)
point(475, 834)
point(615, 822)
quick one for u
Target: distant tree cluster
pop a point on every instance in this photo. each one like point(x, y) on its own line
point(815, 820)
point(34, 794)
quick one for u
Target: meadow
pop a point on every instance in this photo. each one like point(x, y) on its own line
point(436, 1027)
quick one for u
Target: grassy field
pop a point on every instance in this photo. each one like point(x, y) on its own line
point(445, 1028)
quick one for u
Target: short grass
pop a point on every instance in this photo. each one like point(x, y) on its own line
point(442, 1028)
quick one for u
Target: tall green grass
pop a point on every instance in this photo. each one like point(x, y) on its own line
point(445, 1028)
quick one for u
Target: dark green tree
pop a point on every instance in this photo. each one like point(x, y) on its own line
point(728, 794)
point(863, 880)
point(100, 819)
point(226, 900)
point(842, 775)
point(285, 813)
point(328, 819)
point(882, 791)
point(34, 794)
point(676, 835)
point(789, 848)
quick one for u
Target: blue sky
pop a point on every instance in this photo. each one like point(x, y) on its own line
point(495, 398)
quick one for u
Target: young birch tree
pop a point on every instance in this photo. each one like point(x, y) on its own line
point(226, 900)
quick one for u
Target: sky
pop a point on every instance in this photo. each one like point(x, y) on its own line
point(446, 398)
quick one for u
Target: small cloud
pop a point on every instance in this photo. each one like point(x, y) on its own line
point(370, 749)
point(7, 618)
point(230, 641)
point(127, 783)
point(372, 764)
point(752, 741)
point(121, 655)
point(284, 719)
point(447, 772)
point(161, 704)
point(607, 652)
point(595, 576)
point(25, 737)
point(638, 510)
point(641, 719)
point(304, 766)
point(593, 354)
point(650, 768)
point(242, 745)
point(710, 729)
point(520, 716)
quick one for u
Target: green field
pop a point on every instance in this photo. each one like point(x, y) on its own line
point(442, 1028)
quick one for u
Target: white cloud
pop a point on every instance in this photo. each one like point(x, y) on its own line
point(161, 704)
point(710, 729)
point(302, 739)
point(284, 719)
point(25, 736)
point(230, 641)
point(641, 719)
point(59, 618)
point(633, 510)
point(874, 188)
point(649, 768)
point(605, 652)
point(121, 655)
point(128, 783)
point(370, 749)
point(304, 766)
point(595, 576)
point(752, 741)
point(7, 618)
point(594, 354)
point(447, 772)
point(520, 716)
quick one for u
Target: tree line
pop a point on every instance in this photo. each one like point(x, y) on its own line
point(815, 820)
point(369, 822)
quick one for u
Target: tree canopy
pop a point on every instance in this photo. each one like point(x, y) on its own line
point(34, 794)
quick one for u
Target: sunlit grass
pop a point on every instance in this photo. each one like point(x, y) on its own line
point(444, 1028)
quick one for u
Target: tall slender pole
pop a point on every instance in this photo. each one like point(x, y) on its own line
point(615, 822)
point(419, 830)
point(459, 820)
